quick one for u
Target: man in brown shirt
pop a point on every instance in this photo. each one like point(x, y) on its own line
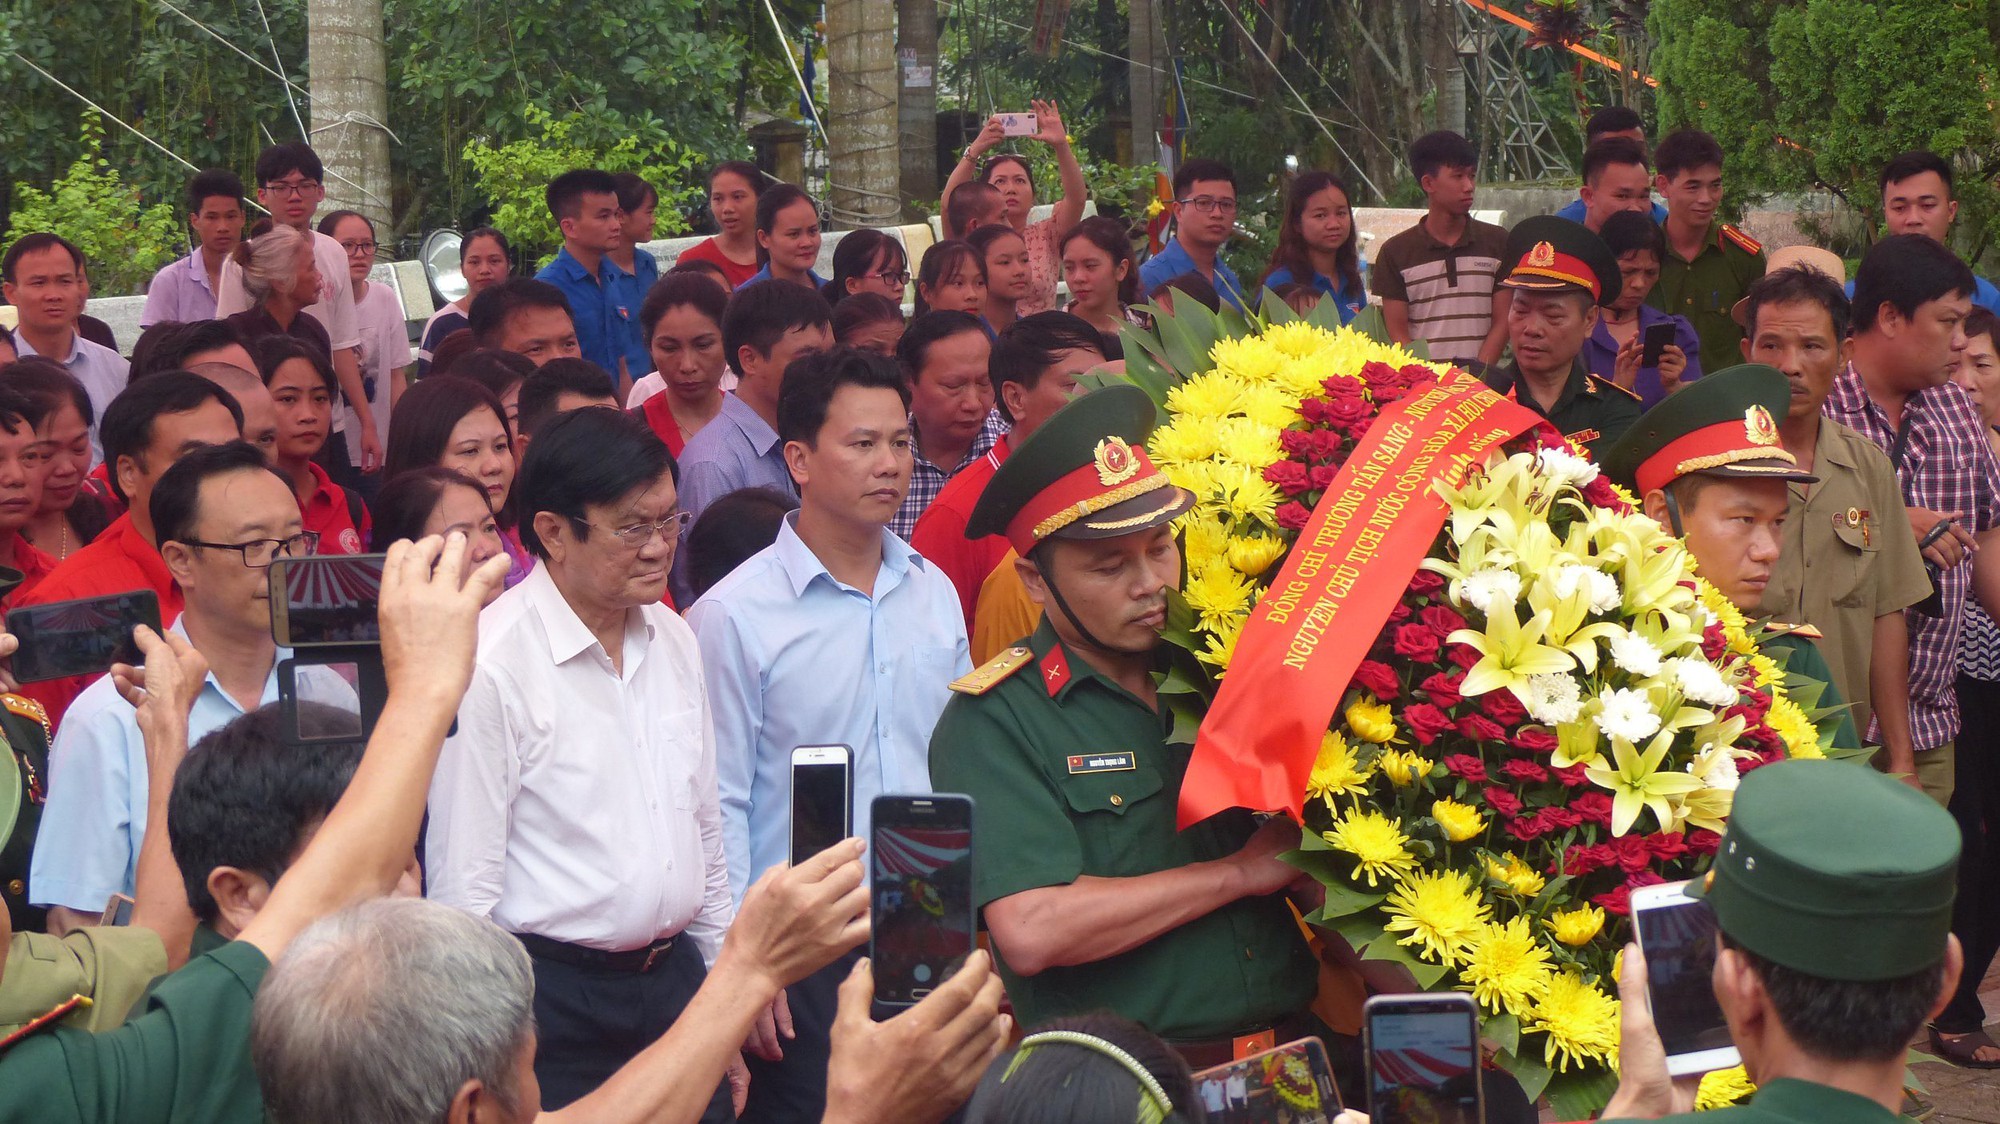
point(1437, 279)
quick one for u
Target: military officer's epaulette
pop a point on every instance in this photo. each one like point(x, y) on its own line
point(1732, 236)
point(43, 1021)
point(990, 674)
point(1599, 380)
point(29, 709)
point(1803, 631)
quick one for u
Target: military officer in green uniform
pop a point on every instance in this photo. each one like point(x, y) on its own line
point(1707, 462)
point(24, 730)
point(1709, 265)
point(1092, 897)
point(1561, 273)
point(1832, 894)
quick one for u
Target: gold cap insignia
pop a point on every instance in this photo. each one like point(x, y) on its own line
point(1116, 462)
point(1542, 256)
point(1758, 426)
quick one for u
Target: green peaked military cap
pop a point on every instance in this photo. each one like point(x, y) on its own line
point(1722, 424)
point(1083, 474)
point(1836, 871)
point(1550, 254)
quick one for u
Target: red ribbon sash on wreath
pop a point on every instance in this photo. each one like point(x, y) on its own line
point(1350, 565)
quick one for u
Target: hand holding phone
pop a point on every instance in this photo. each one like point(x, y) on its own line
point(1677, 934)
point(922, 923)
point(1423, 1059)
point(1656, 340)
point(81, 637)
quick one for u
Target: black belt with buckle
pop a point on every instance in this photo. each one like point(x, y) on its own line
point(1207, 1053)
point(642, 959)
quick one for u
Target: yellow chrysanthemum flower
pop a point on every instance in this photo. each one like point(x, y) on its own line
point(1243, 492)
point(1580, 1020)
point(1459, 822)
point(1765, 671)
point(1379, 847)
point(1221, 645)
point(1800, 734)
point(1371, 719)
point(1516, 876)
point(1204, 540)
point(1507, 967)
point(1218, 592)
point(1271, 404)
point(1336, 771)
point(1402, 767)
point(1212, 395)
point(1254, 554)
point(1248, 359)
point(1440, 911)
point(1298, 339)
point(1577, 927)
point(1185, 440)
point(1250, 444)
point(1733, 625)
point(1721, 1088)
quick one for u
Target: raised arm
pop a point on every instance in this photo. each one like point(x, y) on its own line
point(968, 164)
point(1075, 192)
point(162, 694)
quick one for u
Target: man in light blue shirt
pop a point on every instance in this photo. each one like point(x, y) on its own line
point(183, 291)
point(838, 633)
point(1204, 217)
point(221, 515)
point(603, 299)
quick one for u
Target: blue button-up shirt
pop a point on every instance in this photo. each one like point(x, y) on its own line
point(606, 311)
point(95, 818)
point(1173, 261)
point(179, 292)
point(794, 657)
point(1574, 211)
point(739, 449)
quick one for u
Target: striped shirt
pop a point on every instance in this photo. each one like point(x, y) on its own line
point(927, 479)
point(1449, 288)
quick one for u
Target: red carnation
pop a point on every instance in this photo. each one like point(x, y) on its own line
point(1534, 739)
point(1600, 493)
point(1378, 679)
point(1580, 860)
point(1713, 642)
point(1321, 475)
point(1293, 515)
point(1644, 878)
point(1618, 901)
point(1633, 853)
point(1561, 819)
point(1418, 642)
point(1443, 618)
point(1289, 476)
point(1667, 846)
point(1426, 722)
point(1466, 766)
point(1572, 777)
point(1592, 806)
point(1529, 827)
point(1443, 688)
point(1523, 771)
point(1500, 706)
point(1702, 841)
point(1465, 656)
point(1501, 801)
point(1427, 583)
point(1480, 728)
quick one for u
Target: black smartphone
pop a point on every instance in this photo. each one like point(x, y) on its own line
point(921, 920)
point(1292, 1082)
point(81, 637)
point(326, 600)
point(1423, 1059)
point(1656, 340)
point(1677, 934)
point(822, 798)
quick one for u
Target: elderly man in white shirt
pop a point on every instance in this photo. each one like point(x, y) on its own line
point(576, 805)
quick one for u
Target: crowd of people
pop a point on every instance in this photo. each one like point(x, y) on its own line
point(650, 529)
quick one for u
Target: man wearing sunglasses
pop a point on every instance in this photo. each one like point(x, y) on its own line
point(221, 515)
point(1204, 218)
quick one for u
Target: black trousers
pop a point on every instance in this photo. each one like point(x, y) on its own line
point(1975, 803)
point(591, 1021)
point(792, 1090)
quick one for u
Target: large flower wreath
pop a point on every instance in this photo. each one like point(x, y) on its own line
point(1557, 712)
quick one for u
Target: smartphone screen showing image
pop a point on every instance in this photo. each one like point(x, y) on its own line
point(81, 637)
point(1292, 1083)
point(326, 600)
point(920, 899)
point(1677, 935)
point(1423, 1060)
point(821, 802)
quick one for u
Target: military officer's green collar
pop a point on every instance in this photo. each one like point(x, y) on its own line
point(1807, 1102)
point(1060, 670)
point(1579, 385)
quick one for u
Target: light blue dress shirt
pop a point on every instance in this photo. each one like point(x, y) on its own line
point(179, 292)
point(1172, 261)
point(88, 846)
point(794, 657)
point(739, 449)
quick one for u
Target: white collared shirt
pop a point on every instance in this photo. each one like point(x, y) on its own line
point(102, 371)
point(576, 802)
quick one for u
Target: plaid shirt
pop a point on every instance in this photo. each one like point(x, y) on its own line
point(1946, 465)
point(927, 479)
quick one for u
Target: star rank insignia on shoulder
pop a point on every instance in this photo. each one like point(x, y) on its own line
point(990, 674)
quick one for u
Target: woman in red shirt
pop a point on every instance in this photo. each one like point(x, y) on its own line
point(733, 188)
point(303, 387)
point(682, 319)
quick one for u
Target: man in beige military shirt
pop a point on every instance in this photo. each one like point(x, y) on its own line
point(1848, 566)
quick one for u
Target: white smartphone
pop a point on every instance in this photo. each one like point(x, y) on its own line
point(1018, 124)
point(1677, 934)
point(822, 798)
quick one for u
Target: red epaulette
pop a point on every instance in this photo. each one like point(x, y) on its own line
point(1740, 240)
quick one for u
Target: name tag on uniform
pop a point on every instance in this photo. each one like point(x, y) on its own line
point(1100, 763)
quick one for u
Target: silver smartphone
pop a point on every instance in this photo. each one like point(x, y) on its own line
point(822, 798)
point(1677, 934)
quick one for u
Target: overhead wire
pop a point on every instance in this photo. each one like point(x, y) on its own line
point(224, 40)
point(276, 58)
point(1359, 170)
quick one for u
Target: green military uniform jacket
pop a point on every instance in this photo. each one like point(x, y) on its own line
point(1795, 652)
point(1847, 557)
point(1591, 411)
point(1706, 290)
point(1072, 775)
point(1790, 1101)
point(26, 731)
point(111, 965)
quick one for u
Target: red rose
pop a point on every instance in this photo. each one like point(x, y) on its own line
point(1296, 442)
point(1501, 801)
point(1561, 819)
point(1290, 477)
point(1313, 410)
point(1350, 414)
point(1426, 722)
point(1343, 386)
point(1466, 766)
point(1534, 740)
point(1414, 373)
point(1500, 706)
point(1378, 679)
point(1322, 476)
point(1633, 854)
point(1667, 846)
point(1529, 827)
point(1618, 901)
point(1427, 583)
point(1443, 618)
point(1702, 841)
point(1644, 878)
point(1377, 373)
point(1480, 728)
point(1465, 655)
point(1523, 771)
point(1572, 777)
point(1293, 515)
point(1443, 688)
point(1400, 612)
point(1594, 807)
point(1418, 642)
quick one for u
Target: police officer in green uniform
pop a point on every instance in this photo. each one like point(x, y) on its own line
point(1832, 895)
point(24, 730)
point(1708, 463)
point(1561, 273)
point(1705, 290)
point(1092, 897)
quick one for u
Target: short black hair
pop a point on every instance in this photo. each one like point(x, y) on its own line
point(1797, 284)
point(1981, 322)
point(730, 530)
point(703, 266)
point(281, 160)
point(246, 798)
point(776, 198)
point(677, 287)
point(966, 202)
point(1684, 150)
point(406, 502)
point(1611, 150)
point(1915, 163)
point(1442, 149)
point(18, 408)
point(50, 384)
point(852, 313)
point(176, 501)
point(165, 346)
point(1611, 119)
point(1906, 271)
point(127, 430)
point(1028, 347)
point(272, 352)
point(492, 308)
point(1847, 1020)
point(32, 244)
point(540, 390)
point(331, 221)
point(855, 254)
point(914, 349)
point(1201, 170)
point(590, 456)
point(1627, 231)
point(760, 314)
point(466, 240)
point(497, 370)
point(812, 380)
point(943, 261)
point(1089, 1084)
point(633, 191)
point(209, 183)
point(565, 192)
point(1190, 284)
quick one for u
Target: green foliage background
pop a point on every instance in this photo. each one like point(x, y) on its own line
point(123, 241)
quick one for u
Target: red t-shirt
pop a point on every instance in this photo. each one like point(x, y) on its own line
point(35, 566)
point(940, 532)
point(328, 512)
point(659, 417)
point(117, 561)
point(707, 250)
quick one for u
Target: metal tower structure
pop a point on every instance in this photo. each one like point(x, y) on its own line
point(1513, 134)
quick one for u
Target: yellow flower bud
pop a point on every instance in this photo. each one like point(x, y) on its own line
point(1518, 877)
point(1459, 822)
point(1401, 768)
point(1577, 927)
point(1253, 554)
point(1371, 720)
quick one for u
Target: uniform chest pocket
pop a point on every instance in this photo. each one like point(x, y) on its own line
point(1112, 791)
point(1123, 823)
point(1847, 572)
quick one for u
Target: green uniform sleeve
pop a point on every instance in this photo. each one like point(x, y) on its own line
point(1802, 656)
point(1023, 838)
point(109, 964)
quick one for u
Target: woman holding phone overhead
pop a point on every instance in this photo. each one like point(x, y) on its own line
point(1009, 174)
point(1646, 351)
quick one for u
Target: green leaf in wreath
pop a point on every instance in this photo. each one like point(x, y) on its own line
point(1581, 1093)
point(1275, 310)
point(1504, 1031)
point(1530, 1072)
point(1343, 901)
point(1385, 947)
